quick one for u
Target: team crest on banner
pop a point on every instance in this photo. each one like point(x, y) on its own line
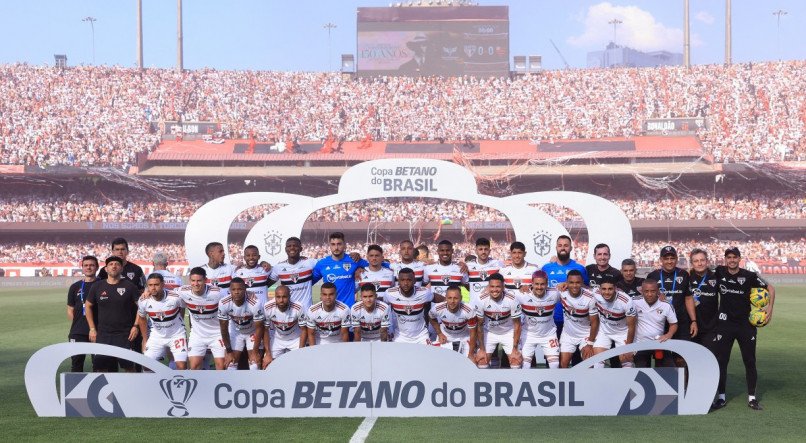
point(273, 242)
point(121, 291)
point(542, 243)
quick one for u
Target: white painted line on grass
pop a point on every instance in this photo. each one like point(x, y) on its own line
point(363, 430)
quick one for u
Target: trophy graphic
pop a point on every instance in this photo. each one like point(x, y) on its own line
point(178, 390)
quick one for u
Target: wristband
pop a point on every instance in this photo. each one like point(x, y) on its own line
point(92, 329)
point(588, 343)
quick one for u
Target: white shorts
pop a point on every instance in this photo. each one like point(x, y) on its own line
point(177, 344)
point(570, 343)
point(606, 340)
point(240, 341)
point(199, 345)
point(548, 344)
point(492, 340)
point(422, 338)
point(280, 347)
point(461, 346)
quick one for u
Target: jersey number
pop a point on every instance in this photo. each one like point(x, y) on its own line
point(179, 343)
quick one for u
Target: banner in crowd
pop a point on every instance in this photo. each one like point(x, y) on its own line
point(372, 379)
point(187, 128)
point(674, 126)
point(538, 230)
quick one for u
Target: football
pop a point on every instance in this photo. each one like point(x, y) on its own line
point(759, 297)
point(758, 317)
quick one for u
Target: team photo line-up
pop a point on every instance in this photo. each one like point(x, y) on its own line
point(564, 310)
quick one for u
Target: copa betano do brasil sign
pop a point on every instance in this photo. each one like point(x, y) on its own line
point(371, 380)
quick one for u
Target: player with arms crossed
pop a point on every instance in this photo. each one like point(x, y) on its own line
point(455, 323)
point(500, 317)
point(734, 285)
point(164, 309)
point(243, 309)
point(370, 316)
point(616, 320)
point(283, 328)
point(410, 306)
point(201, 301)
point(328, 321)
point(653, 316)
point(581, 322)
point(539, 329)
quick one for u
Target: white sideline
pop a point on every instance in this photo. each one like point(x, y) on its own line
point(363, 430)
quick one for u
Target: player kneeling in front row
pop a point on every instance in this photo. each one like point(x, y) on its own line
point(167, 322)
point(201, 302)
point(370, 317)
point(284, 327)
point(328, 321)
point(539, 329)
point(581, 319)
point(499, 315)
point(244, 310)
point(455, 323)
point(410, 306)
point(616, 320)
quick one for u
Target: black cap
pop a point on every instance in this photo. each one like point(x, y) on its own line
point(668, 250)
point(114, 258)
point(733, 250)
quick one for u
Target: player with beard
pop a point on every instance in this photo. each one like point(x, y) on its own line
point(499, 316)
point(79, 329)
point(444, 272)
point(480, 269)
point(734, 285)
point(130, 271)
point(254, 275)
point(616, 320)
point(408, 259)
point(675, 288)
point(296, 273)
point(164, 310)
point(340, 269)
point(201, 301)
point(539, 329)
point(284, 329)
point(558, 272)
point(601, 269)
point(629, 283)
point(706, 298)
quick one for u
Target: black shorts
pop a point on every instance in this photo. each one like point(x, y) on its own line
point(111, 364)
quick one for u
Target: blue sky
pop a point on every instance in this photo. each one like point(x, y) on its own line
point(288, 35)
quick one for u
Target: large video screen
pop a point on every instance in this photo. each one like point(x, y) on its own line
point(425, 41)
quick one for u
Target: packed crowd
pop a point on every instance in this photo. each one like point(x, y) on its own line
point(91, 116)
point(645, 252)
point(31, 205)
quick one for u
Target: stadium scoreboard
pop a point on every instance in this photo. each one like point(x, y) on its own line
point(426, 41)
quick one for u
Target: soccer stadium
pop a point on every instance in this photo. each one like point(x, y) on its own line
point(704, 157)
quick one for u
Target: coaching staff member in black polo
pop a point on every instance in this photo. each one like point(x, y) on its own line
point(116, 302)
point(734, 285)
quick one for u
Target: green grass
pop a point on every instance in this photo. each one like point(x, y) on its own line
point(32, 319)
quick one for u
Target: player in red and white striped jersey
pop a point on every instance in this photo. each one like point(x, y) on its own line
point(296, 273)
point(499, 316)
point(219, 274)
point(407, 260)
point(370, 316)
point(284, 330)
point(539, 329)
point(518, 275)
point(160, 262)
point(617, 318)
point(444, 272)
point(480, 270)
point(255, 276)
point(243, 310)
point(581, 319)
point(410, 306)
point(201, 301)
point(455, 323)
point(329, 320)
point(382, 278)
point(164, 309)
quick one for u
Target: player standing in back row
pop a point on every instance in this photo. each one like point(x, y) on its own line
point(480, 269)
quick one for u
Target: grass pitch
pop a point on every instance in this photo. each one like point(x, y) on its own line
point(33, 318)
